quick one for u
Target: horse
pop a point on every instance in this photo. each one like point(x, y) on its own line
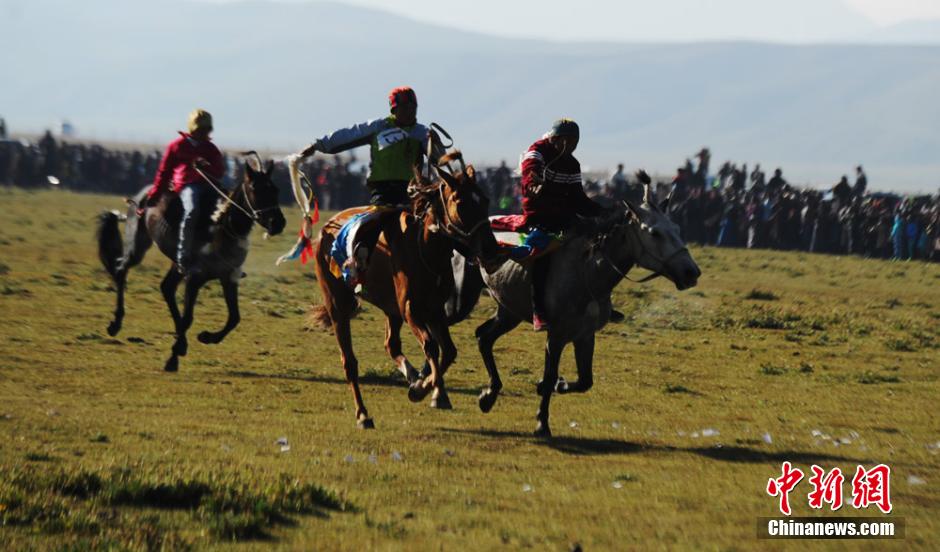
point(583, 273)
point(219, 250)
point(410, 279)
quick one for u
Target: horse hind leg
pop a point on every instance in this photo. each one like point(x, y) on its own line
point(168, 288)
point(393, 346)
point(351, 367)
point(487, 334)
point(119, 258)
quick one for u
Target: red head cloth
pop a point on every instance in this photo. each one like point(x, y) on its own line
point(402, 94)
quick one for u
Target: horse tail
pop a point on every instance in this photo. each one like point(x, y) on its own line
point(110, 246)
point(319, 317)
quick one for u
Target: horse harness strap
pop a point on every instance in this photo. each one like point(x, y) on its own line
point(451, 227)
point(252, 214)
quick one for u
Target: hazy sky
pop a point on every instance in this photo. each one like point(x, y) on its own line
point(664, 20)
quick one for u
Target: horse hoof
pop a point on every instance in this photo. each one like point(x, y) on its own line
point(487, 400)
point(417, 391)
point(172, 365)
point(114, 328)
point(561, 386)
point(542, 431)
point(365, 423)
point(441, 402)
point(206, 338)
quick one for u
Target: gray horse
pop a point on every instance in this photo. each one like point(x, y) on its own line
point(584, 272)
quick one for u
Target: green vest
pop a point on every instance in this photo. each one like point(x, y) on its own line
point(394, 151)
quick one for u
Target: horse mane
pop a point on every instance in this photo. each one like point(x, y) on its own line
point(422, 193)
point(222, 207)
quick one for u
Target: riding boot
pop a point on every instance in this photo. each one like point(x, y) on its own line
point(539, 278)
point(366, 238)
point(184, 258)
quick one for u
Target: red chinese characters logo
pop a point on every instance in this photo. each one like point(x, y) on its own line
point(783, 485)
point(872, 487)
point(869, 487)
point(826, 488)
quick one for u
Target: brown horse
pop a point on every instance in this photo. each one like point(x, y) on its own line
point(219, 251)
point(410, 278)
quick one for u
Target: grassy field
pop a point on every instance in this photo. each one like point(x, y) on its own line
point(698, 398)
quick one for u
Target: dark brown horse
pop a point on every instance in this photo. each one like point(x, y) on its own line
point(410, 279)
point(219, 251)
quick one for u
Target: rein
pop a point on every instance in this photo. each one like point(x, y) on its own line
point(251, 212)
point(660, 260)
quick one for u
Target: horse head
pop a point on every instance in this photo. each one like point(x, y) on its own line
point(461, 211)
point(261, 198)
point(658, 245)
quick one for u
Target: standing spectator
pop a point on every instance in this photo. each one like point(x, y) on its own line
point(3, 129)
point(861, 182)
point(618, 182)
point(757, 179)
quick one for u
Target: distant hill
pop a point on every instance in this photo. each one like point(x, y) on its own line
point(276, 75)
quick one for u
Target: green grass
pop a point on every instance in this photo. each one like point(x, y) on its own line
point(102, 449)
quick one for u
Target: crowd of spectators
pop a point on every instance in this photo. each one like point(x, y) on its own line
point(732, 208)
point(737, 208)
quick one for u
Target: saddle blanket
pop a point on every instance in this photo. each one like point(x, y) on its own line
point(345, 242)
point(524, 243)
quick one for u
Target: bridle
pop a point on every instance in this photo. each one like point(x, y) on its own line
point(661, 261)
point(250, 212)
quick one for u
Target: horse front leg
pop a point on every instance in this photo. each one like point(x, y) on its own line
point(418, 390)
point(553, 348)
point(441, 335)
point(230, 292)
point(487, 334)
point(584, 359)
point(393, 347)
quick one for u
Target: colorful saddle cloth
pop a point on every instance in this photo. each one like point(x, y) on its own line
point(345, 242)
point(525, 244)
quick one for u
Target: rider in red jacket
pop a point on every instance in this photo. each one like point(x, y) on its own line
point(178, 167)
point(552, 197)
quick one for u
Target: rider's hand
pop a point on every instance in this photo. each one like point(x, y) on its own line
point(309, 150)
point(535, 186)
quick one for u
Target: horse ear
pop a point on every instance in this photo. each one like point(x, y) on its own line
point(665, 203)
point(647, 193)
point(471, 172)
point(269, 167)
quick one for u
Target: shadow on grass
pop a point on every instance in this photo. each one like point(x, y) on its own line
point(584, 446)
point(384, 380)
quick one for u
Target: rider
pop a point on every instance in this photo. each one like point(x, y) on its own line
point(552, 197)
point(397, 143)
point(179, 165)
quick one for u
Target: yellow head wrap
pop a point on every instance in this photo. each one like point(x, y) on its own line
point(199, 119)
